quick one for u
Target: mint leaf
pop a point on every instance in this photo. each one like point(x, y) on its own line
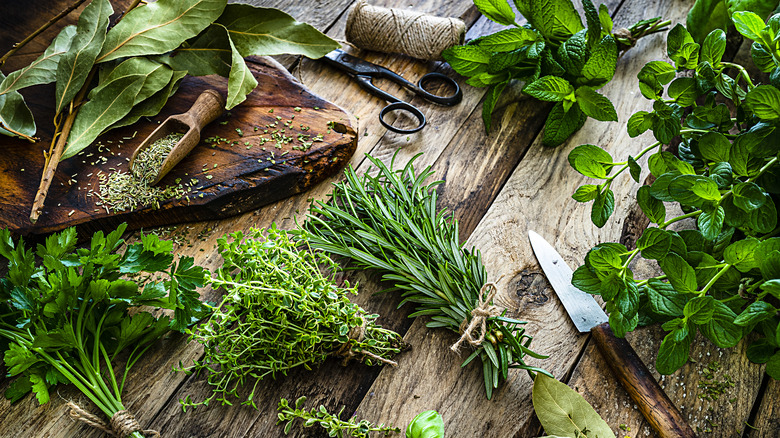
point(680, 274)
point(590, 160)
point(585, 193)
point(684, 91)
point(714, 47)
point(561, 124)
point(491, 98)
point(654, 243)
point(639, 122)
point(634, 168)
point(652, 207)
point(664, 300)
point(595, 105)
point(750, 26)
point(699, 310)
point(594, 24)
point(508, 40)
point(600, 66)
point(467, 60)
point(721, 329)
point(764, 101)
point(496, 10)
point(748, 196)
point(754, 313)
point(653, 76)
point(602, 209)
point(672, 354)
point(741, 254)
point(714, 146)
point(710, 222)
point(555, 19)
point(707, 16)
point(550, 88)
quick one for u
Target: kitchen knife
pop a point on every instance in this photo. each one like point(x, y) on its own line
point(632, 373)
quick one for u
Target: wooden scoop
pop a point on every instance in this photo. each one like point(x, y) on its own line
point(206, 108)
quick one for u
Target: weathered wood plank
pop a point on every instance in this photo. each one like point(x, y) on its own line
point(537, 196)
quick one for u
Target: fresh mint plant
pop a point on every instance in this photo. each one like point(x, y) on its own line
point(67, 313)
point(708, 15)
point(559, 59)
point(721, 279)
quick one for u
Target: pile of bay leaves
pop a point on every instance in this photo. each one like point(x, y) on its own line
point(110, 76)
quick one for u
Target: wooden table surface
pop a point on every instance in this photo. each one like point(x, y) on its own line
point(498, 186)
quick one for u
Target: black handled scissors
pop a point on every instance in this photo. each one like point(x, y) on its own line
point(362, 71)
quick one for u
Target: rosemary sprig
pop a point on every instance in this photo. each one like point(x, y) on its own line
point(281, 312)
point(333, 424)
point(390, 223)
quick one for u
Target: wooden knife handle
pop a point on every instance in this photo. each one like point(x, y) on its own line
point(632, 373)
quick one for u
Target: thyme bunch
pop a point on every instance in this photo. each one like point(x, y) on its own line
point(390, 223)
point(281, 312)
point(333, 424)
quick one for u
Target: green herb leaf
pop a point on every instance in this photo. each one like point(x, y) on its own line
point(159, 27)
point(591, 161)
point(508, 40)
point(710, 222)
point(681, 275)
point(672, 354)
point(496, 10)
point(491, 98)
point(44, 69)
point(563, 412)
point(764, 101)
point(561, 124)
point(585, 193)
point(268, 32)
point(755, 313)
point(595, 105)
point(15, 114)
point(74, 65)
point(467, 60)
point(714, 47)
point(652, 207)
point(557, 20)
point(749, 25)
point(707, 16)
point(428, 424)
point(550, 88)
point(602, 209)
point(654, 243)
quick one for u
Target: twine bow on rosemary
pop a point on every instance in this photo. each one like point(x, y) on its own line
point(123, 424)
point(484, 310)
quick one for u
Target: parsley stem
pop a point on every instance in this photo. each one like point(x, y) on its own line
point(715, 278)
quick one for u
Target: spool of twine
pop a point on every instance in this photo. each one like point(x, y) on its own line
point(415, 34)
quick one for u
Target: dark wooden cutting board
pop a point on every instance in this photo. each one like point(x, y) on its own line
point(244, 171)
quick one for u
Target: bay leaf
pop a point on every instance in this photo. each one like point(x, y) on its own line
point(104, 109)
point(564, 413)
point(15, 114)
point(208, 54)
point(75, 65)
point(153, 105)
point(155, 75)
point(44, 69)
point(241, 81)
point(159, 27)
point(268, 31)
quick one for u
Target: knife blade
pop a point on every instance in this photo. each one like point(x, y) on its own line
point(632, 373)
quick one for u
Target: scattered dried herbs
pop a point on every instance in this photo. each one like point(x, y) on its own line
point(390, 223)
point(721, 279)
point(281, 312)
point(333, 424)
point(67, 313)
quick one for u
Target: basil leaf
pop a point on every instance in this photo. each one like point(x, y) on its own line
point(75, 65)
point(595, 105)
point(563, 412)
point(159, 27)
point(268, 32)
point(428, 424)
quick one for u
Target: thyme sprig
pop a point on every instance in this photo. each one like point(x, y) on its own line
point(390, 223)
point(281, 312)
point(333, 424)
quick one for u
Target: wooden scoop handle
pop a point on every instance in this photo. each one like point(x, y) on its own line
point(206, 108)
point(632, 373)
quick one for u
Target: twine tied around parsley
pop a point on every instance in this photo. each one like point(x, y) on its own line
point(484, 310)
point(357, 334)
point(122, 425)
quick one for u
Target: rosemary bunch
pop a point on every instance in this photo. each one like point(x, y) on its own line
point(390, 223)
point(281, 312)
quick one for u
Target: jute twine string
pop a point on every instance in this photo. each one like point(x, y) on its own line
point(357, 334)
point(122, 425)
point(484, 310)
point(418, 35)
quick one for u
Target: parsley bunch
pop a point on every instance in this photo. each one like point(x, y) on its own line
point(281, 312)
point(65, 312)
point(721, 279)
point(390, 223)
point(558, 58)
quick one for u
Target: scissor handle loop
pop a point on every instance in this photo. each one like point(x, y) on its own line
point(450, 100)
point(402, 106)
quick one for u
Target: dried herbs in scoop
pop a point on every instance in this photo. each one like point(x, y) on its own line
point(280, 312)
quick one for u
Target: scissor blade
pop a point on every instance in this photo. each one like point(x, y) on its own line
point(582, 308)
